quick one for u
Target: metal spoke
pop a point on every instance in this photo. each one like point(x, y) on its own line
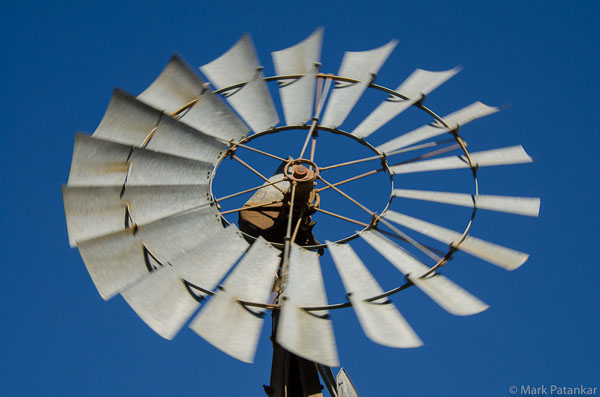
point(362, 207)
point(392, 153)
point(342, 217)
point(421, 157)
point(433, 154)
point(242, 162)
point(411, 241)
point(248, 191)
point(297, 227)
point(313, 147)
point(419, 246)
point(311, 131)
point(234, 145)
point(349, 180)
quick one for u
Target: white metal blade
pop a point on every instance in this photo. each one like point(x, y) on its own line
point(165, 300)
point(529, 206)
point(503, 156)
point(361, 66)
point(162, 301)
point(132, 122)
point(415, 87)
point(380, 320)
point(441, 290)
point(297, 95)
point(306, 334)
point(97, 162)
point(345, 387)
point(226, 323)
point(506, 258)
point(118, 260)
point(459, 118)
point(179, 85)
point(252, 100)
point(99, 210)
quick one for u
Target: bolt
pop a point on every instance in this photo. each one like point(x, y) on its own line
point(300, 171)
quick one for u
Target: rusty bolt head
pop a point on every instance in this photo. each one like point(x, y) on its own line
point(300, 172)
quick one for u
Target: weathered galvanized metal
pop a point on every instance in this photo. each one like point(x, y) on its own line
point(306, 334)
point(95, 211)
point(167, 297)
point(486, 158)
point(361, 67)
point(414, 89)
point(454, 120)
point(179, 91)
point(131, 122)
point(98, 162)
point(240, 69)
point(529, 206)
point(140, 207)
point(226, 322)
point(298, 93)
point(379, 319)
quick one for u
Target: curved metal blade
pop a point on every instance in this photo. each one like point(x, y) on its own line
point(441, 290)
point(361, 66)
point(461, 117)
point(306, 334)
point(131, 122)
point(506, 258)
point(94, 211)
point(166, 298)
point(380, 320)
point(503, 156)
point(97, 162)
point(529, 206)
point(414, 88)
point(178, 86)
point(225, 322)
point(252, 99)
point(118, 260)
point(297, 95)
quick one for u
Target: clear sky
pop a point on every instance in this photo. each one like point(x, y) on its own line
point(63, 59)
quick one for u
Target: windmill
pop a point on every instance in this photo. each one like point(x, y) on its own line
point(140, 206)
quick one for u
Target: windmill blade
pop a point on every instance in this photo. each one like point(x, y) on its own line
point(414, 88)
point(361, 66)
point(441, 290)
point(454, 120)
point(131, 122)
point(506, 258)
point(380, 320)
point(97, 162)
point(94, 211)
point(297, 95)
point(529, 206)
point(165, 300)
point(179, 87)
point(306, 334)
point(503, 156)
point(118, 260)
point(252, 99)
point(225, 322)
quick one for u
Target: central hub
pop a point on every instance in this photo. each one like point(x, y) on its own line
point(301, 171)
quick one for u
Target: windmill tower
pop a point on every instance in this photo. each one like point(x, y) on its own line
point(141, 209)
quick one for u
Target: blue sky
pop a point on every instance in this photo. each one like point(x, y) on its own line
point(62, 61)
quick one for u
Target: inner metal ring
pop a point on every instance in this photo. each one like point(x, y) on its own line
point(275, 130)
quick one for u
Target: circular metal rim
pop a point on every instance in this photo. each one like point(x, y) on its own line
point(419, 104)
